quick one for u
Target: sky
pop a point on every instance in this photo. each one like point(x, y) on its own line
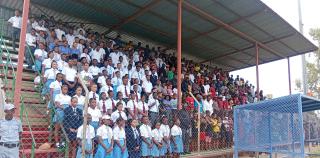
point(276, 82)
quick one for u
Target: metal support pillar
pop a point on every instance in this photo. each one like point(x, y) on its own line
point(257, 69)
point(18, 82)
point(179, 30)
point(289, 75)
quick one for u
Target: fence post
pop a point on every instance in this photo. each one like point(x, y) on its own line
point(195, 99)
point(85, 114)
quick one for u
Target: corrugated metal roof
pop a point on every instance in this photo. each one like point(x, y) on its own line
point(202, 36)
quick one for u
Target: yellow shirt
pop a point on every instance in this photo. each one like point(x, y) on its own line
point(215, 126)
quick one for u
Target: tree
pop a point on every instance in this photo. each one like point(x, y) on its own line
point(313, 68)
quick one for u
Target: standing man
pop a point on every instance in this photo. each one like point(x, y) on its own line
point(10, 133)
point(185, 125)
point(15, 21)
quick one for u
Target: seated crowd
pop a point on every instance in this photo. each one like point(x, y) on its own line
point(132, 108)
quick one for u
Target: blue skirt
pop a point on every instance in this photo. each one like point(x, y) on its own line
point(165, 149)
point(95, 125)
point(178, 140)
point(155, 151)
point(117, 153)
point(51, 102)
point(38, 65)
point(101, 153)
point(59, 114)
point(145, 150)
point(88, 147)
point(46, 88)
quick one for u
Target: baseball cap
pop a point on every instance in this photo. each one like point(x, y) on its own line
point(107, 117)
point(9, 106)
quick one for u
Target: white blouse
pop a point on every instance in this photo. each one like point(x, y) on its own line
point(165, 130)
point(176, 131)
point(119, 133)
point(105, 132)
point(62, 99)
point(156, 134)
point(145, 131)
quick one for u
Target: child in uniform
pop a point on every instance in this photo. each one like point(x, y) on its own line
point(176, 139)
point(105, 139)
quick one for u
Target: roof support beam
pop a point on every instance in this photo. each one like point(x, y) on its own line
point(215, 20)
point(246, 48)
point(254, 25)
point(219, 27)
point(134, 15)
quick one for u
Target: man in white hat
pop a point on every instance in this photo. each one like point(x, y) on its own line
point(10, 133)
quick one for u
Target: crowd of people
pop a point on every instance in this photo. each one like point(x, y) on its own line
point(133, 109)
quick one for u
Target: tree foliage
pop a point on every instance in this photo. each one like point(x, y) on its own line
point(313, 68)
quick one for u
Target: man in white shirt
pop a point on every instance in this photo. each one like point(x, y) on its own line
point(70, 37)
point(15, 22)
point(97, 53)
point(31, 40)
point(115, 57)
point(147, 85)
point(124, 88)
point(153, 104)
point(138, 73)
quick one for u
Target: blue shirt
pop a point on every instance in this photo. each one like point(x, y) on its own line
point(75, 51)
point(196, 105)
point(64, 50)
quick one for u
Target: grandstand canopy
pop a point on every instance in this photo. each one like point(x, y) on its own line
point(221, 31)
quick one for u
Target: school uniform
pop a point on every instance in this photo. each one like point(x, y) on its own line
point(123, 104)
point(72, 119)
point(165, 131)
point(41, 54)
point(134, 141)
point(94, 70)
point(142, 106)
point(47, 64)
point(90, 134)
point(81, 100)
point(96, 115)
point(146, 132)
point(64, 101)
point(176, 133)
point(154, 110)
point(157, 136)
point(94, 96)
point(50, 75)
point(106, 133)
point(116, 82)
point(70, 75)
point(119, 134)
point(111, 104)
point(116, 114)
point(106, 89)
point(56, 87)
point(102, 80)
point(132, 105)
point(125, 90)
point(104, 107)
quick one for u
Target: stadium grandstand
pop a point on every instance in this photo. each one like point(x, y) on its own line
point(150, 77)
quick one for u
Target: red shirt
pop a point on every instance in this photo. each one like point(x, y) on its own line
point(190, 102)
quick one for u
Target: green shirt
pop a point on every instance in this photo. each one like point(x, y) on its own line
point(170, 75)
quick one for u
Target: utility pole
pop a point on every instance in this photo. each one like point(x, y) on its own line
point(303, 56)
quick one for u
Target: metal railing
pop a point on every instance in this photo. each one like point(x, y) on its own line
point(24, 112)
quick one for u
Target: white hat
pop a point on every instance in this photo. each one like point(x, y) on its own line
point(9, 106)
point(107, 117)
